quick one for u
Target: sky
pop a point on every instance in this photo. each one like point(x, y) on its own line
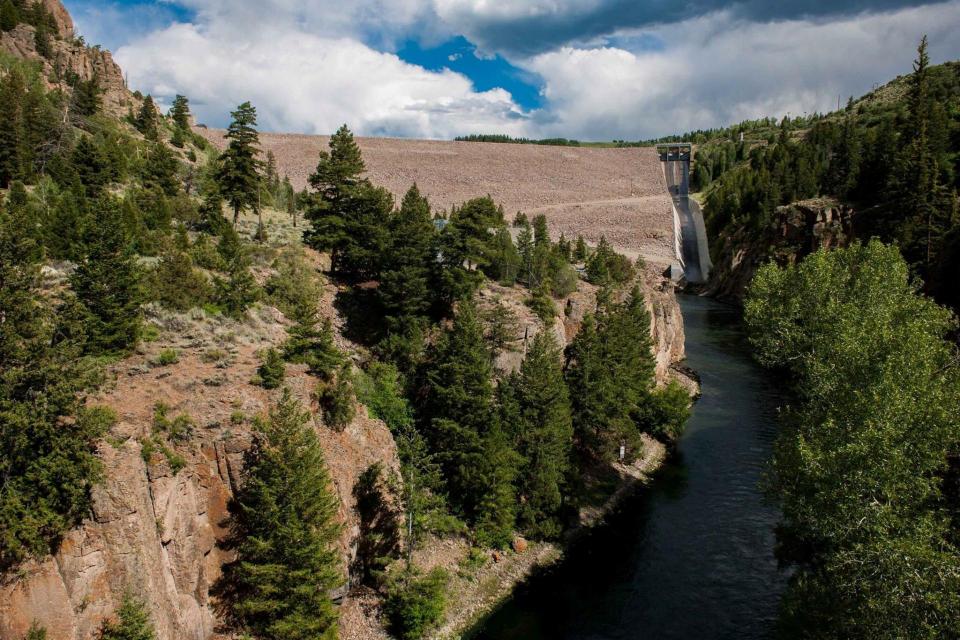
point(583, 69)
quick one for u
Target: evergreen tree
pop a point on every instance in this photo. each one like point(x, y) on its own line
point(148, 120)
point(315, 348)
point(239, 174)
point(284, 524)
point(544, 436)
point(132, 622)
point(460, 409)
point(36, 632)
point(337, 398)
point(12, 92)
point(160, 169)
point(9, 16)
point(239, 290)
point(180, 112)
point(405, 282)
point(92, 166)
point(107, 283)
point(580, 250)
point(349, 215)
point(47, 440)
point(87, 97)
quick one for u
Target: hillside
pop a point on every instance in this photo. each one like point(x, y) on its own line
point(617, 193)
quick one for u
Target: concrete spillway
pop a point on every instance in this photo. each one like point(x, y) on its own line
point(693, 243)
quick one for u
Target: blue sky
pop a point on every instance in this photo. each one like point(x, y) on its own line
point(588, 69)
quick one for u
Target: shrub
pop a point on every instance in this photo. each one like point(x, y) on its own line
point(295, 288)
point(414, 605)
point(176, 284)
point(132, 622)
point(272, 370)
point(178, 429)
point(380, 389)
point(167, 357)
point(542, 304)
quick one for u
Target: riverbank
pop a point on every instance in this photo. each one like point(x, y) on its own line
point(478, 593)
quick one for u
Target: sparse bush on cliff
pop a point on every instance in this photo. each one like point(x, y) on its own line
point(131, 622)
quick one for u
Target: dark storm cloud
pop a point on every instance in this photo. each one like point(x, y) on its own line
point(563, 23)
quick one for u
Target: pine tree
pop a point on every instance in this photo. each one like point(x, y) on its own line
point(580, 251)
point(460, 411)
point(107, 283)
point(405, 281)
point(9, 16)
point(47, 440)
point(311, 346)
point(594, 393)
point(544, 436)
point(337, 399)
point(239, 290)
point(349, 215)
point(148, 120)
point(12, 91)
point(180, 112)
point(92, 166)
point(239, 174)
point(87, 98)
point(132, 622)
point(160, 169)
point(284, 524)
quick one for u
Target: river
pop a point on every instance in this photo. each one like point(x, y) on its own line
point(692, 555)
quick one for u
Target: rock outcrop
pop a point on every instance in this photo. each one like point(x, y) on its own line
point(798, 229)
point(71, 57)
point(666, 320)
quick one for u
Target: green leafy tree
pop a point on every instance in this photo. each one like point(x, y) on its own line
point(132, 622)
point(284, 525)
point(876, 390)
point(415, 604)
point(239, 172)
point(107, 282)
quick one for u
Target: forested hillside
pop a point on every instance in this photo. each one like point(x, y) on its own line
point(127, 245)
point(892, 158)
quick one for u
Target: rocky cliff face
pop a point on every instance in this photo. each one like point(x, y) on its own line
point(798, 230)
point(666, 320)
point(71, 56)
point(154, 531)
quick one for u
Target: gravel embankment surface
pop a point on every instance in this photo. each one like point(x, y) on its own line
point(617, 193)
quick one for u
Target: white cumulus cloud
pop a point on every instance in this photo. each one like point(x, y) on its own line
point(303, 82)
